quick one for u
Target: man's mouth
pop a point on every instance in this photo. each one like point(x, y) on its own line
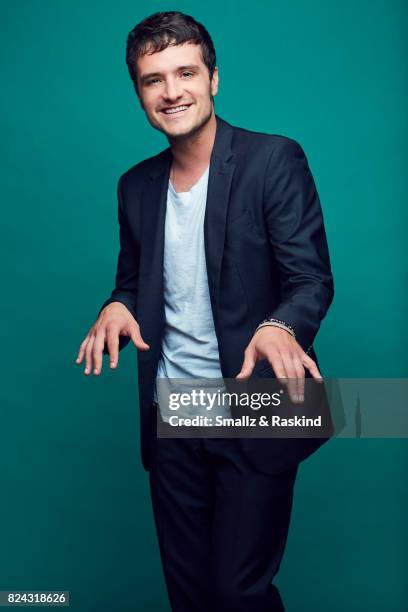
point(175, 110)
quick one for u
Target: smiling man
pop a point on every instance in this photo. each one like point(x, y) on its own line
point(223, 271)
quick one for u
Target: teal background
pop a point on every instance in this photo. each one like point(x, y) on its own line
point(75, 511)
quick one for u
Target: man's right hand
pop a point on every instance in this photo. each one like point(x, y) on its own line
point(114, 320)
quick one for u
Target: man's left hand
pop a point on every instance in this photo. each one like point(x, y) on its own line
point(286, 356)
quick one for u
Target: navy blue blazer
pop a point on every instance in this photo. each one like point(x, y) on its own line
point(266, 253)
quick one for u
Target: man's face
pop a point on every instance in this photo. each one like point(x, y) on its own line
point(175, 89)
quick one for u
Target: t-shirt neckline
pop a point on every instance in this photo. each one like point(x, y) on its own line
point(192, 188)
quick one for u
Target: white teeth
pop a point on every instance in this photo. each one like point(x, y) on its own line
point(176, 109)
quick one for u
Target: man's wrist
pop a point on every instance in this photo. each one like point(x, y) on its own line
point(272, 322)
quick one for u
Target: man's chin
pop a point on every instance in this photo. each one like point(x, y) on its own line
point(169, 131)
point(178, 131)
point(181, 132)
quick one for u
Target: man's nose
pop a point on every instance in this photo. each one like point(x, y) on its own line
point(172, 90)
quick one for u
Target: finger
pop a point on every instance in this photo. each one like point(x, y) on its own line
point(277, 365)
point(287, 359)
point(82, 348)
point(138, 340)
point(113, 347)
point(88, 355)
point(248, 364)
point(300, 378)
point(312, 367)
point(97, 352)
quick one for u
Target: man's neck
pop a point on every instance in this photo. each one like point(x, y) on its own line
point(194, 152)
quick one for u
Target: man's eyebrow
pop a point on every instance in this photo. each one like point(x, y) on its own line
point(150, 75)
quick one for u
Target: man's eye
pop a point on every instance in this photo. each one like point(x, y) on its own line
point(152, 81)
point(187, 73)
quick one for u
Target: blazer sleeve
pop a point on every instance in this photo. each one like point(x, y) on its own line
point(295, 226)
point(126, 279)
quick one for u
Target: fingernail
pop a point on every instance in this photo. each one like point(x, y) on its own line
point(95, 370)
point(301, 398)
point(112, 364)
point(86, 370)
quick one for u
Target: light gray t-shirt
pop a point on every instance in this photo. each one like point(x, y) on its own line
point(189, 345)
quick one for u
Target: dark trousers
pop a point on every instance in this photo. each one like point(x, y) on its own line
point(222, 526)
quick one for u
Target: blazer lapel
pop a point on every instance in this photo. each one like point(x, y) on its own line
point(218, 195)
point(151, 288)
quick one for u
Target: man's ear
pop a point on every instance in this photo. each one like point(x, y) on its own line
point(214, 82)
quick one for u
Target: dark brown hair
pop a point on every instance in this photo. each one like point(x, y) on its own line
point(163, 29)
